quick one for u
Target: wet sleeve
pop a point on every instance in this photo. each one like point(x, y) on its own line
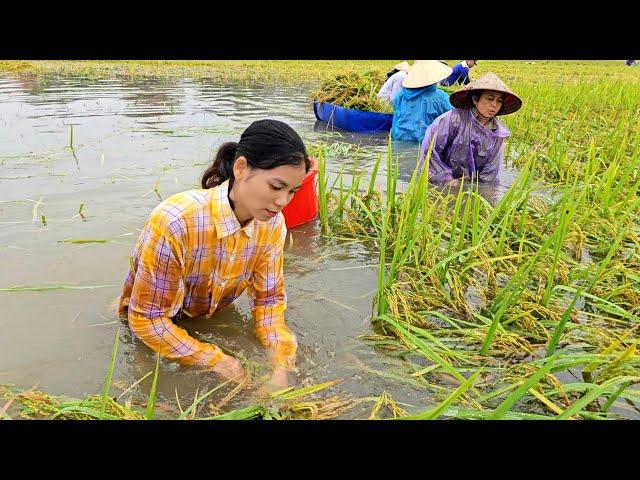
point(268, 302)
point(439, 132)
point(157, 296)
point(489, 173)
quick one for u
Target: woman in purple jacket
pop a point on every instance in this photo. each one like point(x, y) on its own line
point(468, 141)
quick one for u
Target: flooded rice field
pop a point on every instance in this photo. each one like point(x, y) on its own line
point(82, 163)
point(482, 295)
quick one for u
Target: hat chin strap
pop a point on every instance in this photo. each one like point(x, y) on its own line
point(480, 117)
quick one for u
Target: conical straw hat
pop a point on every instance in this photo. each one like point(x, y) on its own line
point(490, 81)
point(404, 66)
point(426, 72)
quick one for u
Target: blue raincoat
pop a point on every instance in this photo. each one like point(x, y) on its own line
point(463, 147)
point(415, 109)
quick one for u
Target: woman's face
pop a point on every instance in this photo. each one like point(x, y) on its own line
point(489, 103)
point(261, 194)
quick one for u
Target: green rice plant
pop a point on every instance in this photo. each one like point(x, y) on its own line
point(409, 230)
point(109, 376)
point(612, 398)
point(566, 213)
point(81, 210)
point(561, 324)
point(423, 348)
point(247, 413)
point(323, 193)
point(372, 181)
point(439, 410)
point(521, 390)
point(151, 401)
point(595, 391)
point(91, 408)
point(281, 405)
point(291, 392)
point(199, 399)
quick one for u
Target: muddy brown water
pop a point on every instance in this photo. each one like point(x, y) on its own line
point(135, 141)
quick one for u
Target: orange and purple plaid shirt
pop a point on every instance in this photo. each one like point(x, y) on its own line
point(193, 255)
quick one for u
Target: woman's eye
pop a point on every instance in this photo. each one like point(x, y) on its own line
point(275, 188)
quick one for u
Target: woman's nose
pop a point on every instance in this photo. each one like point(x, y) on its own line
point(281, 200)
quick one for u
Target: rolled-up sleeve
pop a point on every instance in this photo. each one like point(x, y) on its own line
point(268, 301)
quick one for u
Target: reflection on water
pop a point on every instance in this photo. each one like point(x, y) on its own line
point(134, 142)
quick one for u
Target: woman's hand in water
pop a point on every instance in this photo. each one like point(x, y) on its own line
point(230, 369)
point(279, 379)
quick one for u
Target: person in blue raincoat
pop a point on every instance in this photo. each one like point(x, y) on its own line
point(419, 101)
point(468, 141)
point(460, 73)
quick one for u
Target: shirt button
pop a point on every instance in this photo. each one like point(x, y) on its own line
point(233, 257)
point(224, 282)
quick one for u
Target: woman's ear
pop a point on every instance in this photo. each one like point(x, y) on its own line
point(240, 168)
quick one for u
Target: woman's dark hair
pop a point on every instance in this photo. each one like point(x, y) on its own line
point(266, 144)
point(392, 72)
point(477, 94)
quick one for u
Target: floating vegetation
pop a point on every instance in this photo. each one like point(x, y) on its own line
point(81, 241)
point(287, 403)
point(81, 211)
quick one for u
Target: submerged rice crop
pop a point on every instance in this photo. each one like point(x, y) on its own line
point(534, 297)
point(522, 308)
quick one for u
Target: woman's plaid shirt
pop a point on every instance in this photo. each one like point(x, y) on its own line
point(193, 256)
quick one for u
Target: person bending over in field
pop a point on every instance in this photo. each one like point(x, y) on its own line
point(460, 73)
point(420, 100)
point(394, 81)
point(200, 249)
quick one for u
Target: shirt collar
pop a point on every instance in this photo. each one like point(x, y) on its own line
point(464, 64)
point(224, 219)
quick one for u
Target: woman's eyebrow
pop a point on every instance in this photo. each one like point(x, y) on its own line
point(282, 182)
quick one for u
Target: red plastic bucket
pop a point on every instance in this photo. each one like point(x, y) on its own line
point(303, 207)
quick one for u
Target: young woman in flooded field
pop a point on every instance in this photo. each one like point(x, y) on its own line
point(468, 141)
point(201, 249)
